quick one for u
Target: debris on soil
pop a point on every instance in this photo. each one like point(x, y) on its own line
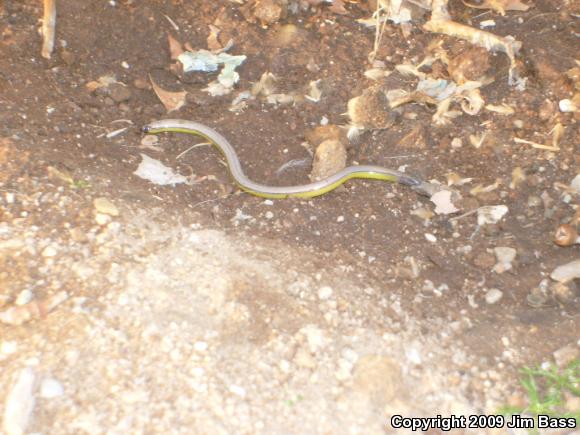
point(19, 314)
point(157, 173)
point(500, 6)
point(20, 403)
point(329, 158)
point(566, 235)
point(566, 272)
point(207, 61)
point(171, 100)
point(444, 201)
point(48, 28)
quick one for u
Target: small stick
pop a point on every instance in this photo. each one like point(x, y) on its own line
point(48, 24)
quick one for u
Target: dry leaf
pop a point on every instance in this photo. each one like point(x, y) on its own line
point(212, 40)
point(503, 109)
point(518, 176)
point(175, 48)
point(443, 201)
point(171, 100)
point(500, 6)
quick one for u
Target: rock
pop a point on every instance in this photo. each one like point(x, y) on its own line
point(105, 206)
point(19, 403)
point(49, 252)
point(505, 255)
point(51, 388)
point(24, 297)
point(379, 377)
point(566, 272)
point(119, 92)
point(269, 11)
point(470, 65)
point(565, 355)
point(330, 158)
point(493, 295)
point(324, 293)
point(315, 337)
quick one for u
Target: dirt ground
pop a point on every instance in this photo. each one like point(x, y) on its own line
point(200, 309)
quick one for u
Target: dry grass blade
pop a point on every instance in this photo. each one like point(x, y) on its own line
point(48, 25)
point(536, 145)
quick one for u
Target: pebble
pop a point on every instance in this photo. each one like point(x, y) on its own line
point(49, 251)
point(200, 346)
point(19, 403)
point(324, 293)
point(493, 295)
point(51, 388)
point(102, 219)
point(269, 215)
point(340, 219)
point(24, 297)
point(8, 347)
point(566, 272)
point(430, 237)
point(105, 206)
point(315, 337)
point(505, 255)
point(142, 84)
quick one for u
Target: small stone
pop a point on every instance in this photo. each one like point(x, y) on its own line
point(304, 359)
point(269, 215)
point(19, 403)
point(119, 92)
point(102, 219)
point(49, 251)
point(51, 388)
point(340, 219)
point(534, 201)
point(315, 337)
point(200, 346)
point(505, 256)
point(430, 237)
point(24, 297)
point(142, 84)
point(565, 355)
point(8, 347)
point(237, 390)
point(566, 272)
point(269, 11)
point(493, 295)
point(105, 206)
point(379, 377)
point(324, 293)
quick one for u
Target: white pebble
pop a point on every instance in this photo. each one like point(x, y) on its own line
point(269, 215)
point(8, 347)
point(19, 403)
point(430, 237)
point(493, 295)
point(24, 297)
point(49, 251)
point(51, 388)
point(200, 346)
point(324, 293)
point(237, 390)
point(340, 219)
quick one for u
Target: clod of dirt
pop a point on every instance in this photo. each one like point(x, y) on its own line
point(119, 92)
point(269, 12)
point(371, 109)
point(330, 157)
point(324, 132)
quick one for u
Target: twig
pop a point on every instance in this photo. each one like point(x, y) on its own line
point(48, 24)
point(536, 145)
point(190, 148)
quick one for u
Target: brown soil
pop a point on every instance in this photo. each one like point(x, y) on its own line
point(48, 119)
